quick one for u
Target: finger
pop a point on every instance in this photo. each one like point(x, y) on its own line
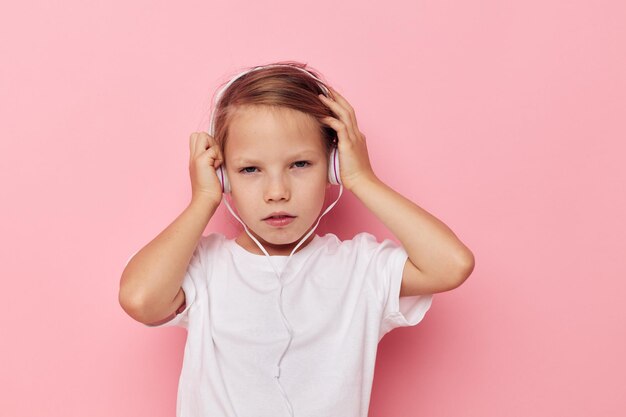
point(340, 127)
point(214, 149)
point(210, 140)
point(341, 100)
point(216, 158)
point(218, 150)
point(192, 146)
point(344, 116)
point(202, 143)
point(209, 158)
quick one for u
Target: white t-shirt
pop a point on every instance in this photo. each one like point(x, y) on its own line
point(339, 297)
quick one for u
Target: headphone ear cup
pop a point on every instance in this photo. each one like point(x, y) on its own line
point(221, 175)
point(333, 167)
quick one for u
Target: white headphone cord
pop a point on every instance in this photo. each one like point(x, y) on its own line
point(279, 275)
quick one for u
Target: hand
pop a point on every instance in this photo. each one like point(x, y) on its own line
point(204, 157)
point(354, 163)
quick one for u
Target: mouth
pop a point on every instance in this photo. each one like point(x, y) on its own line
point(279, 215)
point(282, 220)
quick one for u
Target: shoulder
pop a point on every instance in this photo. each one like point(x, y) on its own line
point(357, 238)
point(211, 243)
point(360, 242)
point(213, 238)
point(365, 240)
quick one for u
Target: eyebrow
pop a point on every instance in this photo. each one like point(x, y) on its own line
point(302, 154)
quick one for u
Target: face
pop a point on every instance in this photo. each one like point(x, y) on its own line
point(276, 161)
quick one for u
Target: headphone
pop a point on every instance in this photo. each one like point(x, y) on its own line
point(333, 160)
point(333, 178)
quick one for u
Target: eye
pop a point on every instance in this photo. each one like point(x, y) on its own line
point(243, 170)
point(246, 169)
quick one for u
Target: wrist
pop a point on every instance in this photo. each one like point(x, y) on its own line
point(363, 183)
point(204, 201)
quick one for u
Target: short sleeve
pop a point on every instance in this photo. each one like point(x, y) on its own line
point(193, 284)
point(386, 266)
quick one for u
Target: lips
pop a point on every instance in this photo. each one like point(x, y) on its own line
point(279, 221)
point(279, 215)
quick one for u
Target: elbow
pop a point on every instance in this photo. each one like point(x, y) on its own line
point(134, 309)
point(466, 263)
point(129, 305)
point(129, 301)
point(465, 266)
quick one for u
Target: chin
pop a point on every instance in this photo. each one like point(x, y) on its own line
point(271, 237)
point(282, 241)
point(291, 237)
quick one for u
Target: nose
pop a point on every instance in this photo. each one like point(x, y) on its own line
point(277, 188)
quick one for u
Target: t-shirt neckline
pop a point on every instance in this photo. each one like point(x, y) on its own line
point(301, 253)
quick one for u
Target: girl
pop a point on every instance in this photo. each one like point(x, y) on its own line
point(281, 321)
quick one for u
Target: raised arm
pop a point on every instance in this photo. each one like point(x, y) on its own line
point(438, 260)
point(151, 284)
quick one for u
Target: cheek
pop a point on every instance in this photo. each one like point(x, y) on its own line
point(319, 195)
point(311, 189)
point(243, 199)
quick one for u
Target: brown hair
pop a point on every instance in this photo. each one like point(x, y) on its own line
point(275, 87)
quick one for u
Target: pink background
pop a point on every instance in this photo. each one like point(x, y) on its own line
point(506, 120)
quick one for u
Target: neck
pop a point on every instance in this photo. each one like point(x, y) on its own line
point(273, 250)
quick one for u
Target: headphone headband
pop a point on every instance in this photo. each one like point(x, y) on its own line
point(220, 93)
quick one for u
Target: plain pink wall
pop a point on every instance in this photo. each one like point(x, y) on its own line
point(504, 120)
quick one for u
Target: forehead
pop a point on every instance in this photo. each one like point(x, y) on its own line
point(258, 129)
